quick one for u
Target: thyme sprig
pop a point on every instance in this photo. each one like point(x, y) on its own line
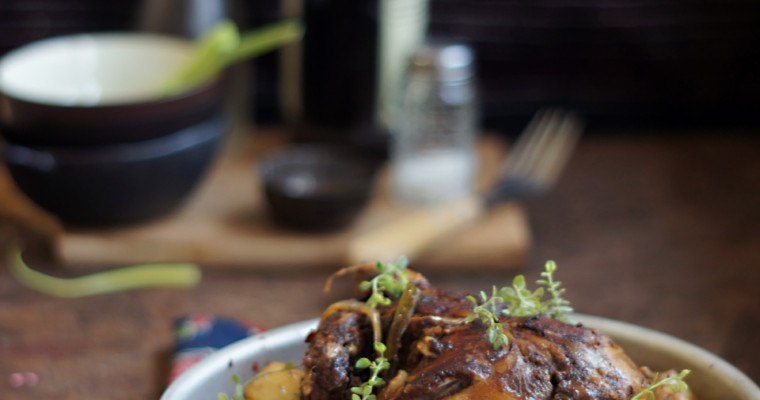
point(364, 392)
point(556, 307)
point(487, 312)
point(390, 280)
point(676, 384)
point(519, 301)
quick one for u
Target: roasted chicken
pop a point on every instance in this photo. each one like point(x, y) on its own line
point(436, 354)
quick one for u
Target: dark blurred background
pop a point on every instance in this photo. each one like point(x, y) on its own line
point(626, 64)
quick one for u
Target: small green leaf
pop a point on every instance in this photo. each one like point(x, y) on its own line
point(388, 284)
point(556, 307)
point(519, 301)
point(378, 365)
point(380, 347)
point(487, 313)
point(492, 336)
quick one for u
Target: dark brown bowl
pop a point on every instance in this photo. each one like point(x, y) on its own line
point(317, 187)
point(116, 184)
point(35, 124)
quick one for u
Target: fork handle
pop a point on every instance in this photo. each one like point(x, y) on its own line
point(411, 234)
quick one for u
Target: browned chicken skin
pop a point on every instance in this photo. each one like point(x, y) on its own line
point(443, 357)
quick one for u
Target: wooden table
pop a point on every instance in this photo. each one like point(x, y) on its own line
point(661, 231)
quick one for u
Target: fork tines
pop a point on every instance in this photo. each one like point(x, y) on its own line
point(541, 151)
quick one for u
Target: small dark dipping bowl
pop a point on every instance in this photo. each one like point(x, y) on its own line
point(317, 187)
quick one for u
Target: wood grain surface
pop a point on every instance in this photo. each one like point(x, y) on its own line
point(660, 231)
point(226, 224)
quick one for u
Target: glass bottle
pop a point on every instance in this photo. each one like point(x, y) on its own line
point(433, 155)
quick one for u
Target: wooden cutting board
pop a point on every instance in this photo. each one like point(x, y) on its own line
point(225, 224)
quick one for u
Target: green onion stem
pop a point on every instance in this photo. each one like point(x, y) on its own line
point(174, 275)
point(265, 39)
point(223, 46)
point(401, 317)
point(208, 58)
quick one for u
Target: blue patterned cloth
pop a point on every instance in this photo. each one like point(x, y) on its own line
point(199, 335)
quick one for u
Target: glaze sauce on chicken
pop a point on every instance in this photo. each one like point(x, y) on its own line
point(442, 356)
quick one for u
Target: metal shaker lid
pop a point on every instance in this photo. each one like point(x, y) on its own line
point(448, 62)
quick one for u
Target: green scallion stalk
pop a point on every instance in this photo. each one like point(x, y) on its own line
point(167, 275)
point(224, 45)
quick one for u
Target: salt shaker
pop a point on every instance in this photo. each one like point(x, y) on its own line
point(433, 155)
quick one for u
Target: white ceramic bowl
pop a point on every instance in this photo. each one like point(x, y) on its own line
point(93, 69)
point(711, 378)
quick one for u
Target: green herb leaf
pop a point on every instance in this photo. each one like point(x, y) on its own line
point(363, 362)
point(239, 390)
point(556, 307)
point(391, 280)
point(519, 301)
point(376, 367)
point(487, 312)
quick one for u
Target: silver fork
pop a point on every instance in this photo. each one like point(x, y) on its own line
point(530, 168)
point(538, 157)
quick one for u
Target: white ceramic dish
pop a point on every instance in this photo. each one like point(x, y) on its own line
point(711, 378)
point(93, 69)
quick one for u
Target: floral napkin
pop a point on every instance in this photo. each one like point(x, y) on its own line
point(199, 335)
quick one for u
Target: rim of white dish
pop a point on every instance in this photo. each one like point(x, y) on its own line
point(93, 69)
point(230, 358)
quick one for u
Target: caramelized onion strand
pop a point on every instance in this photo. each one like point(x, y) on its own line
point(360, 307)
point(401, 318)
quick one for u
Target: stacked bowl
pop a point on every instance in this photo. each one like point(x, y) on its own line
point(88, 134)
